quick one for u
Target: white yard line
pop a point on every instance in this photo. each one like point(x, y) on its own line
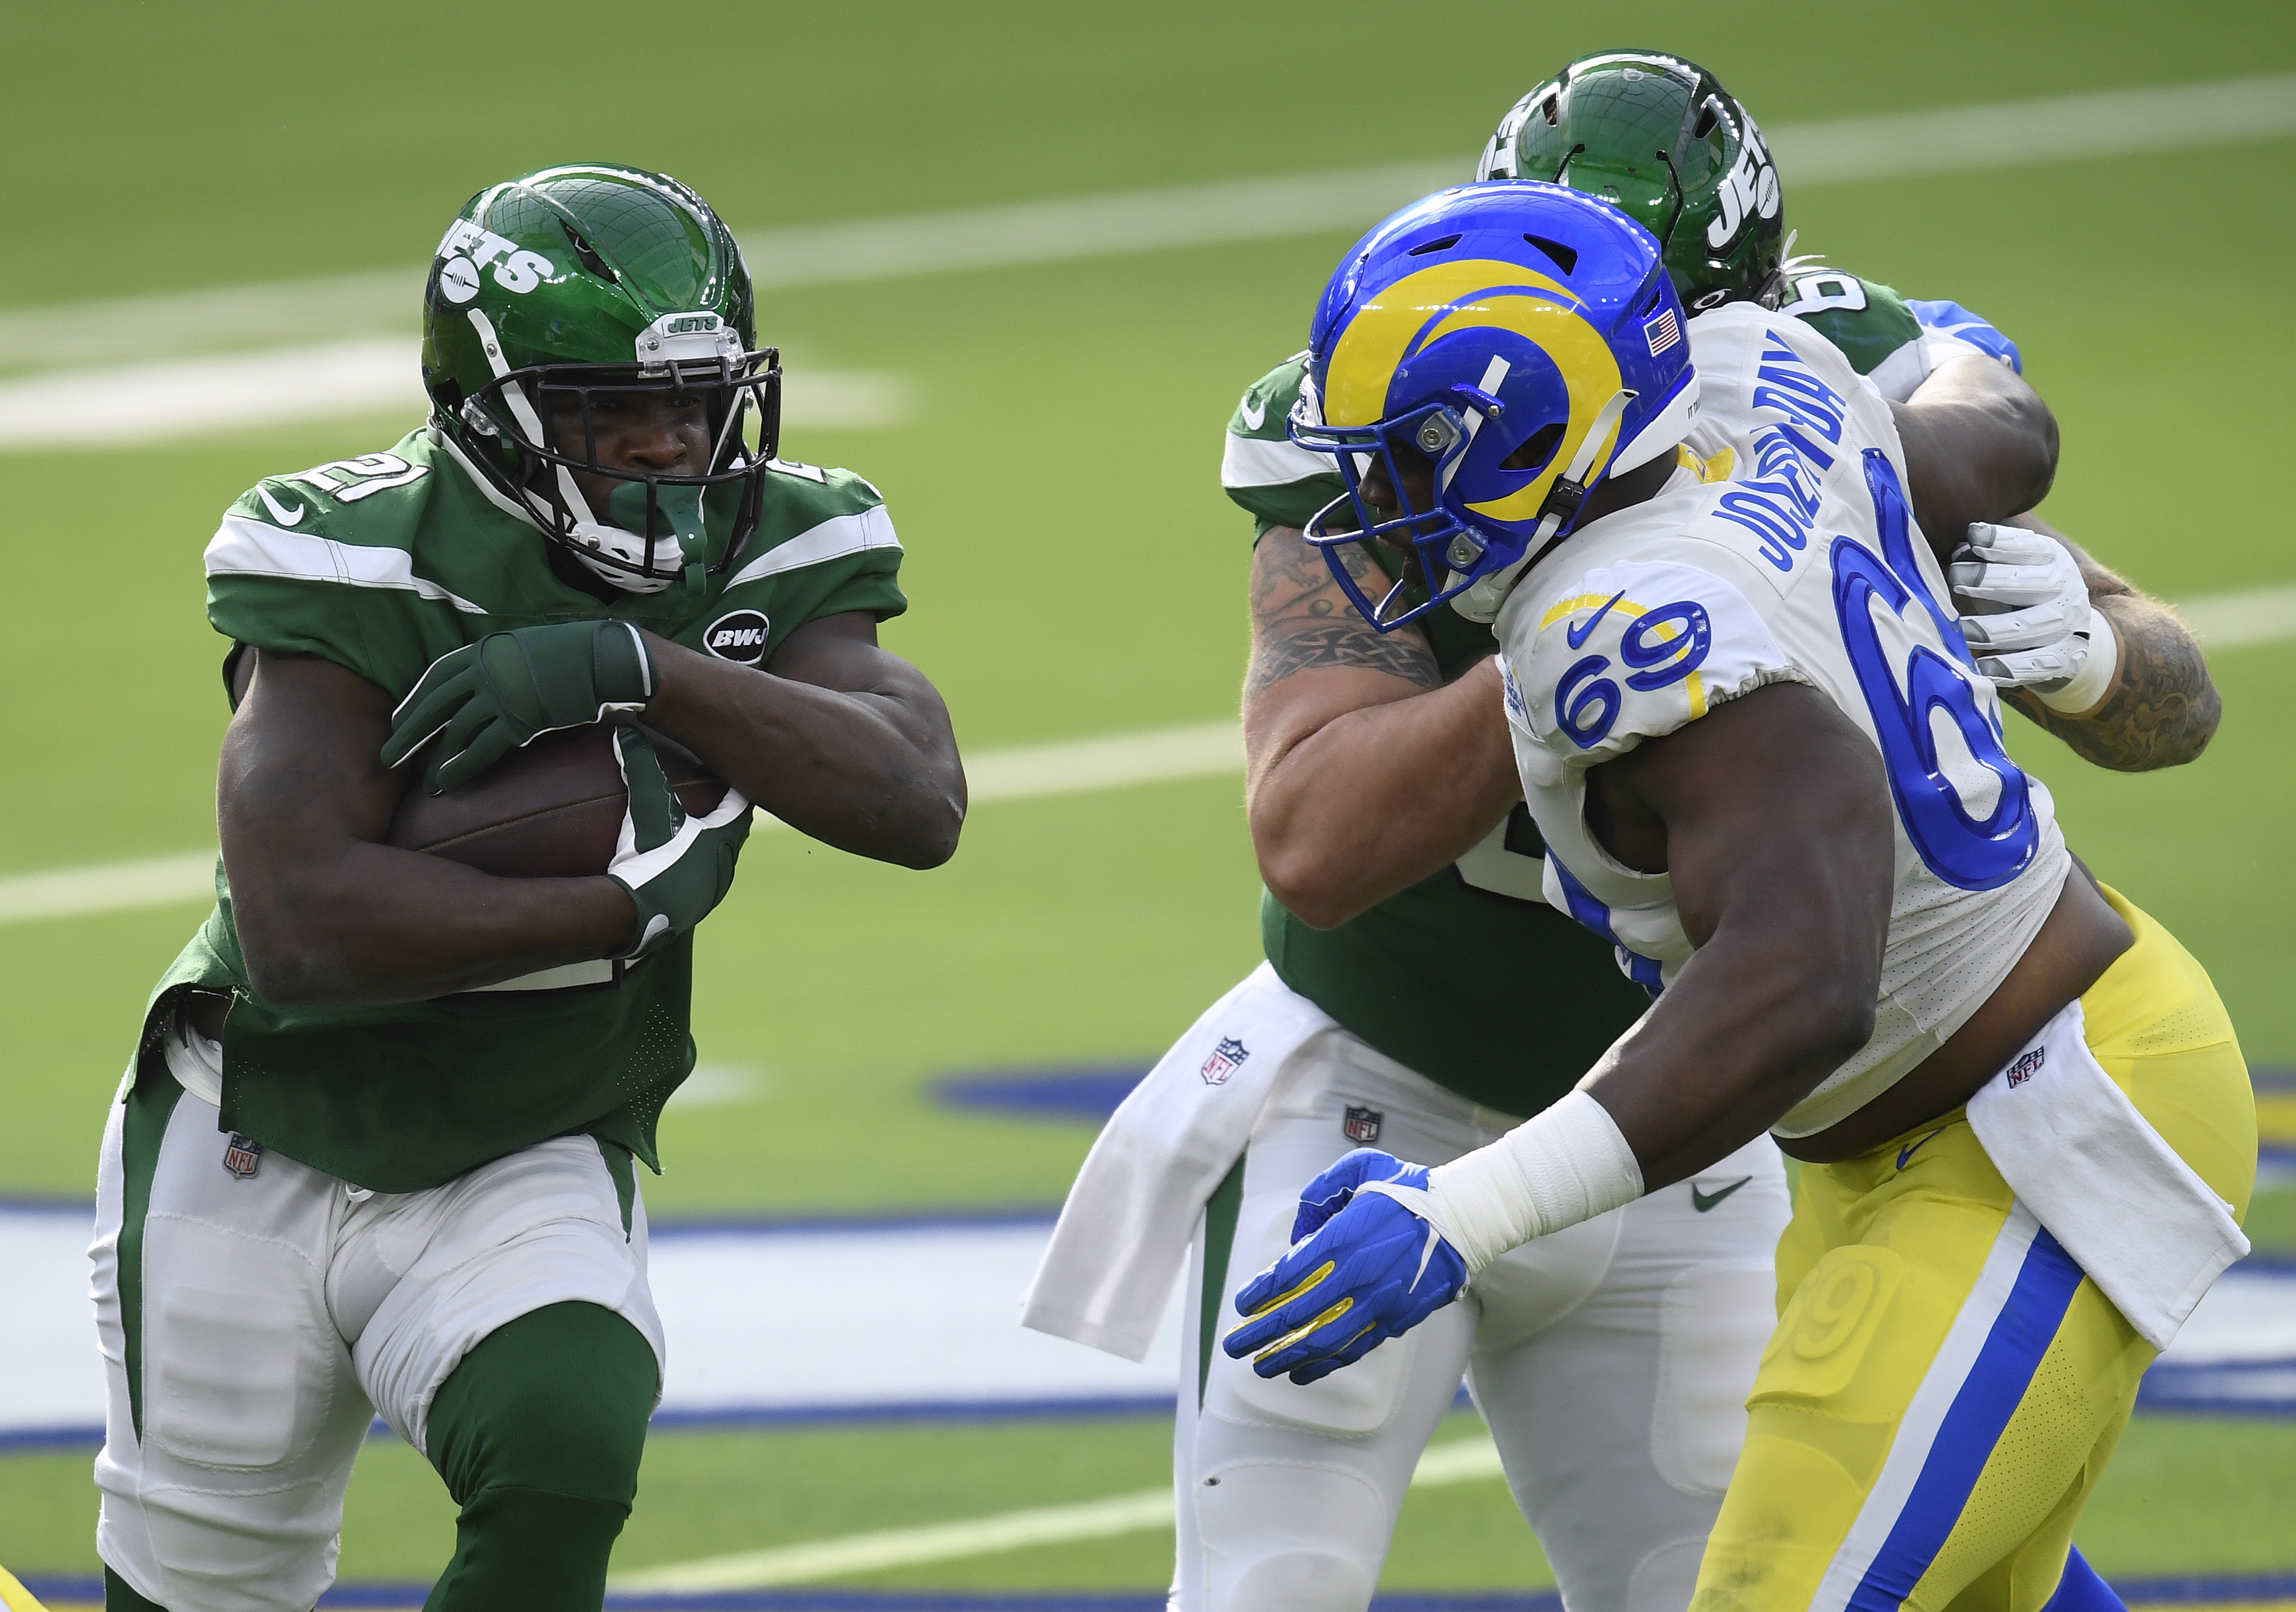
point(113, 405)
point(70, 892)
point(1842, 151)
point(2253, 615)
point(1462, 1461)
point(1027, 772)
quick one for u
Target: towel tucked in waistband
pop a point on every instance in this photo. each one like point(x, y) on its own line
point(2137, 1219)
point(1124, 1233)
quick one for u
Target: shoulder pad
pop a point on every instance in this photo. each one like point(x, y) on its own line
point(797, 495)
point(1624, 653)
point(1261, 471)
point(813, 515)
point(1868, 321)
point(352, 520)
point(338, 492)
point(1266, 403)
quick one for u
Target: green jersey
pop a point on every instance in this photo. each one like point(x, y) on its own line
point(383, 564)
point(1443, 976)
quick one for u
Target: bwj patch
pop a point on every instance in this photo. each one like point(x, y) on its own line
point(1226, 1059)
point(1362, 1125)
point(243, 1156)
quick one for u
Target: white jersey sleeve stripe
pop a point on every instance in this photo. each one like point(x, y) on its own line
point(835, 539)
point(1260, 462)
point(243, 547)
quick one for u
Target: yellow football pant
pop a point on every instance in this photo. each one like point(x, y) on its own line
point(13, 1596)
point(1943, 1387)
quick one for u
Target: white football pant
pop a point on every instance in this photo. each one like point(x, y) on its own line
point(281, 1309)
point(1613, 1361)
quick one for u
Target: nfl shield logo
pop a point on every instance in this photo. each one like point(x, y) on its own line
point(243, 1156)
point(1362, 1125)
point(1226, 1059)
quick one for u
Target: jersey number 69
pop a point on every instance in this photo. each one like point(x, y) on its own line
point(1963, 849)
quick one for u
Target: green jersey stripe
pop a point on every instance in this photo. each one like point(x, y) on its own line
point(243, 547)
point(839, 538)
point(1258, 462)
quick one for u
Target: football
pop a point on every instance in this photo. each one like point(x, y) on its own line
point(553, 809)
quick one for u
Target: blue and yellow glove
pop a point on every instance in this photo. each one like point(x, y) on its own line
point(675, 867)
point(486, 699)
point(1364, 1267)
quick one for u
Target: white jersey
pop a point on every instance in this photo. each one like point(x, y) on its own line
point(1794, 557)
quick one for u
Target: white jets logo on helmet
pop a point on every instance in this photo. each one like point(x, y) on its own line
point(1749, 190)
point(468, 248)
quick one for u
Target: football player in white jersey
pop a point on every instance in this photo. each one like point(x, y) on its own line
point(1767, 772)
point(1611, 1363)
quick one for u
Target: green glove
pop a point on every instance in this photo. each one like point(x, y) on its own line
point(486, 699)
point(677, 868)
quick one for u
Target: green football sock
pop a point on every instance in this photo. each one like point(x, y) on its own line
point(538, 1434)
point(118, 1596)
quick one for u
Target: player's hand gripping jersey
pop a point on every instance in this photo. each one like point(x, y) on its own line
point(383, 564)
point(1805, 567)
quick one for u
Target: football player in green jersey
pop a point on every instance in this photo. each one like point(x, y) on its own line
point(1404, 915)
point(375, 1152)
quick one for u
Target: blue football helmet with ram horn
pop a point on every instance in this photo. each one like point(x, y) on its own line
point(1495, 352)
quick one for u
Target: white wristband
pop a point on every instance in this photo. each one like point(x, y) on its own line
point(2091, 683)
point(1556, 1169)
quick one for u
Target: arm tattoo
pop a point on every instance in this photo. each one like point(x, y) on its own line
point(1300, 621)
point(2163, 707)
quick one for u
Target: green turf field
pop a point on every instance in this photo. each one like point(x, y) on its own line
point(1073, 569)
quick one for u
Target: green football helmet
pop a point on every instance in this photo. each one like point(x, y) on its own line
point(1659, 138)
point(572, 289)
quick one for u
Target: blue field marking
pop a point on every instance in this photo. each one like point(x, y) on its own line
point(36, 1441)
point(892, 1221)
point(2264, 1388)
point(2275, 1143)
point(910, 1410)
point(2136, 1592)
point(412, 1595)
point(1082, 1094)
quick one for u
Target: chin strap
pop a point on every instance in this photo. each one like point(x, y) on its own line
point(1480, 602)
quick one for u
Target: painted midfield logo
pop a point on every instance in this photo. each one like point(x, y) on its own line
point(1226, 1059)
point(1362, 1125)
point(243, 1156)
point(2026, 1067)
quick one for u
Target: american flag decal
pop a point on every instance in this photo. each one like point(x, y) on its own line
point(1662, 331)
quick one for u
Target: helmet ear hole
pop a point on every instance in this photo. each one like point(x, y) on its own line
point(1566, 258)
point(1537, 448)
point(590, 258)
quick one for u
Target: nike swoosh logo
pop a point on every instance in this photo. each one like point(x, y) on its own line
point(1702, 1201)
point(1906, 1153)
point(1254, 414)
point(279, 511)
point(1578, 635)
